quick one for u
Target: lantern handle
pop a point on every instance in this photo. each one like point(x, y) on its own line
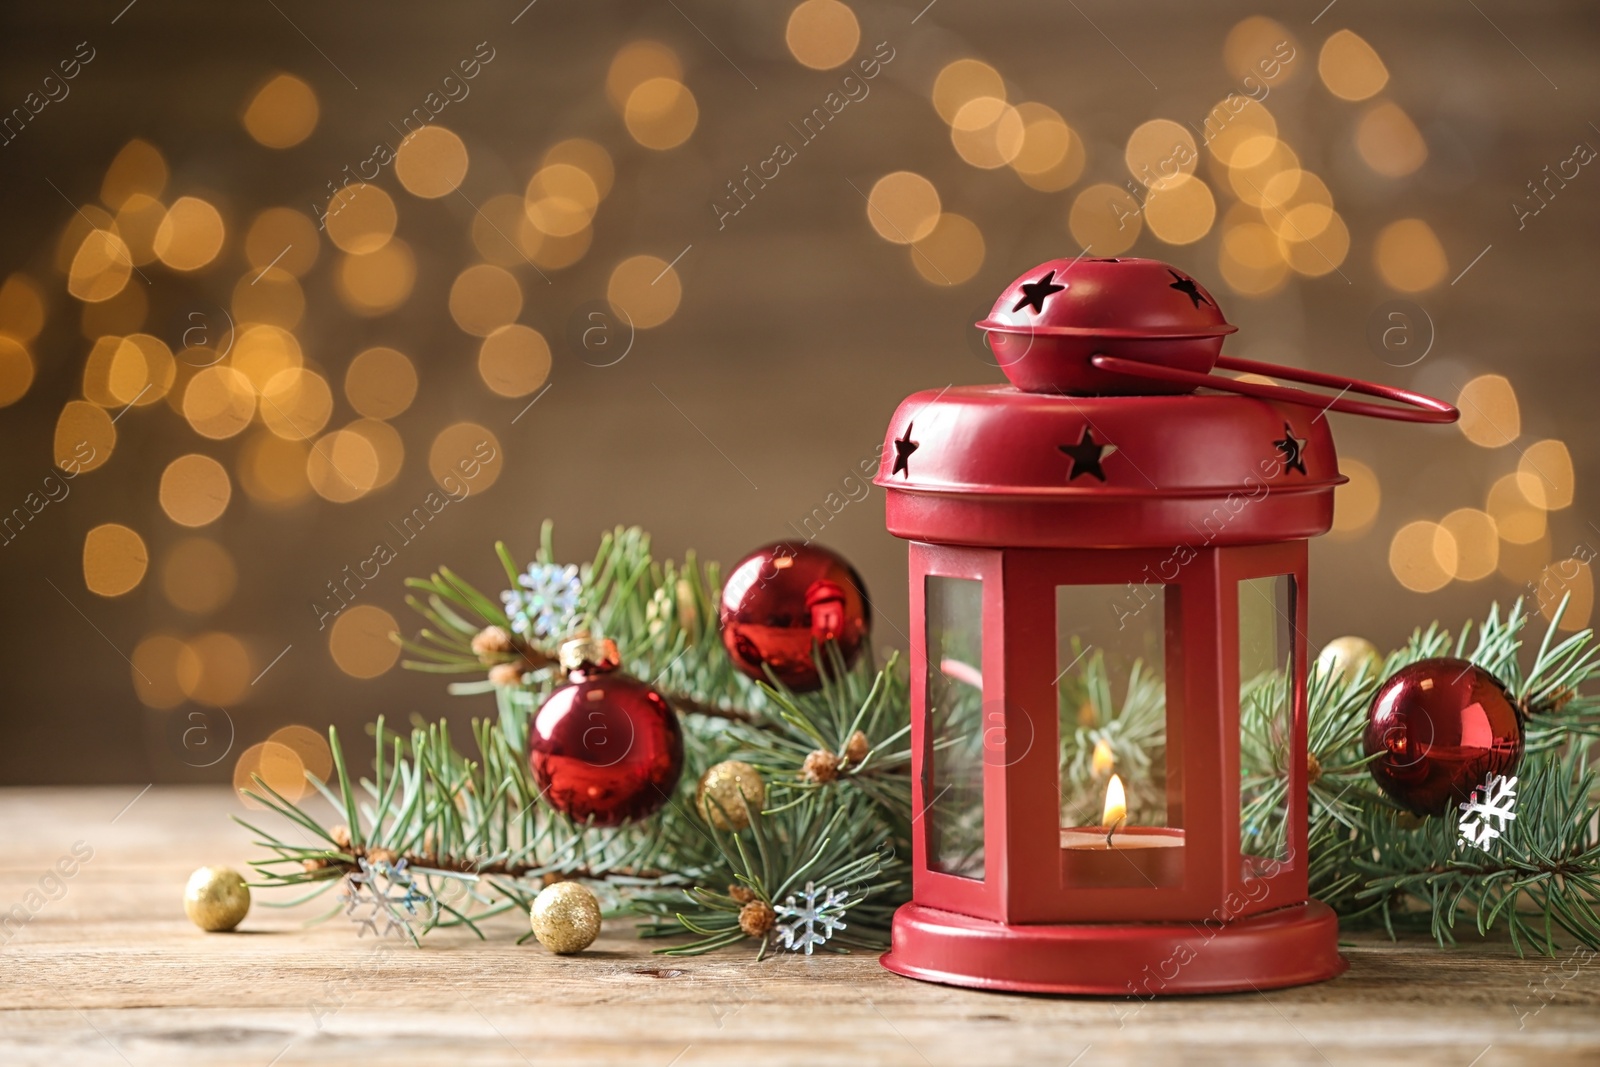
point(1416, 407)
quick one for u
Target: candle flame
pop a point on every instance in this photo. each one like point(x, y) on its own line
point(1116, 809)
point(1103, 760)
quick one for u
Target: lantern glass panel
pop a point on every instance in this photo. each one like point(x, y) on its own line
point(953, 733)
point(1112, 704)
point(1266, 719)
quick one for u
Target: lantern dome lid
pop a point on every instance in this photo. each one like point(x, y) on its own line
point(993, 465)
point(1113, 297)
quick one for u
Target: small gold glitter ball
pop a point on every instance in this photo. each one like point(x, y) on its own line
point(216, 898)
point(565, 917)
point(1343, 658)
point(732, 785)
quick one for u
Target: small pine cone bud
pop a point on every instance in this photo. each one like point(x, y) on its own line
point(505, 675)
point(856, 749)
point(1313, 768)
point(493, 641)
point(756, 918)
point(820, 767)
point(314, 864)
point(741, 893)
point(381, 855)
point(341, 836)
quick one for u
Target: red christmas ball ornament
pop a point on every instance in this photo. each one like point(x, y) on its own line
point(784, 600)
point(1437, 728)
point(605, 747)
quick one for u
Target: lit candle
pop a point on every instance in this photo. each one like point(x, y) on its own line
point(1117, 855)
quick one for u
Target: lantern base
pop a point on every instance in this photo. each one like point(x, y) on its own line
point(1289, 946)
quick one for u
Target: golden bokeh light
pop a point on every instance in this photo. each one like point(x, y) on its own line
point(114, 559)
point(1160, 152)
point(1312, 255)
point(484, 298)
point(987, 132)
point(155, 671)
point(1350, 68)
point(219, 402)
point(195, 490)
point(822, 34)
point(1052, 155)
point(1423, 556)
point(1409, 256)
point(1490, 415)
point(377, 282)
point(80, 224)
point(138, 219)
point(284, 238)
point(1518, 519)
point(951, 253)
point(361, 218)
point(465, 455)
point(310, 746)
point(431, 162)
point(296, 403)
point(21, 308)
point(16, 370)
point(271, 297)
point(561, 199)
point(282, 113)
point(1265, 172)
point(380, 383)
point(262, 351)
point(361, 641)
point(137, 168)
point(1249, 259)
point(215, 670)
point(140, 370)
point(198, 575)
point(514, 360)
point(85, 436)
point(645, 290)
point(661, 113)
point(1356, 502)
point(502, 232)
point(278, 767)
point(1545, 476)
point(100, 268)
point(97, 372)
point(273, 471)
point(636, 63)
point(1259, 51)
point(1389, 142)
point(343, 466)
point(588, 157)
point(190, 235)
point(1572, 580)
point(554, 253)
point(1181, 211)
point(1234, 122)
point(1524, 563)
point(1105, 219)
point(1477, 541)
point(386, 445)
point(962, 81)
point(903, 207)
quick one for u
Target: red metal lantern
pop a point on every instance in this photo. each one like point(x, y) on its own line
point(1104, 565)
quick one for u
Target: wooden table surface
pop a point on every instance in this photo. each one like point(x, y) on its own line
point(109, 971)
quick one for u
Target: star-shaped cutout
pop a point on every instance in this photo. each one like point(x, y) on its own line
point(1293, 449)
point(1033, 293)
point(903, 447)
point(1188, 288)
point(1087, 454)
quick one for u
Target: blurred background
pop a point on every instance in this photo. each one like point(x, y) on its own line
point(297, 300)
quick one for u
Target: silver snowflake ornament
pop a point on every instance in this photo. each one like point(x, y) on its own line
point(384, 898)
point(813, 920)
point(544, 602)
point(1487, 812)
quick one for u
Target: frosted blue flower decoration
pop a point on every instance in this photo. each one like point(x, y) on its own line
point(545, 600)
